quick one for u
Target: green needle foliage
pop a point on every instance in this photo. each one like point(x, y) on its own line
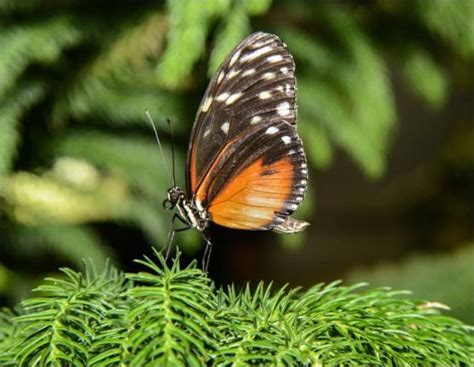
point(173, 316)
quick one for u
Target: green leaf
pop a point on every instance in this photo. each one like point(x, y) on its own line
point(256, 7)
point(41, 42)
point(347, 92)
point(425, 77)
point(44, 199)
point(234, 28)
point(452, 21)
point(189, 22)
point(169, 315)
point(317, 146)
point(11, 110)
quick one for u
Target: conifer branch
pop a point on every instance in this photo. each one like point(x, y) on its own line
point(168, 315)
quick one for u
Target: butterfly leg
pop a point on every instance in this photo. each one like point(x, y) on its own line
point(206, 257)
point(172, 232)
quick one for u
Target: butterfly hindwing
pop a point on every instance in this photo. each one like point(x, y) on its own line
point(265, 186)
point(246, 164)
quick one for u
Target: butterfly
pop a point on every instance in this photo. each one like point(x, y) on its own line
point(246, 167)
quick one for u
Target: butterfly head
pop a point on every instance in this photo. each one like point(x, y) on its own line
point(175, 195)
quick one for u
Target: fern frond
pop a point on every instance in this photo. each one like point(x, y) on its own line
point(129, 56)
point(119, 83)
point(367, 86)
point(119, 105)
point(387, 325)
point(8, 337)
point(40, 42)
point(233, 29)
point(425, 76)
point(58, 326)
point(189, 26)
point(11, 110)
point(172, 314)
point(348, 93)
point(168, 315)
point(254, 329)
point(7, 326)
point(39, 199)
point(256, 7)
point(320, 151)
point(452, 21)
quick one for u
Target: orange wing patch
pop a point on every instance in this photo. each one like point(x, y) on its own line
point(250, 200)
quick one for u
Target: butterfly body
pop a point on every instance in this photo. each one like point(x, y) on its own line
point(246, 167)
point(193, 216)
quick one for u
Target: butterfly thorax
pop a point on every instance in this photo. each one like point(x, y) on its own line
point(187, 209)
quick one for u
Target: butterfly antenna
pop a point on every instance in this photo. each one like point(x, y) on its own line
point(147, 113)
point(170, 125)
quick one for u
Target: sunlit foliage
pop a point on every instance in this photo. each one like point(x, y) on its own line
point(168, 316)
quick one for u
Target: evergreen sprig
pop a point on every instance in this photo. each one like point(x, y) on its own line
point(171, 316)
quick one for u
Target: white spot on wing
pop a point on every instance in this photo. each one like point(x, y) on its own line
point(206, 132)
point(222, 97)
point(286, 139)
point(232, 74)
point(264, 95)
point(280, 88)
point(284, 70)
point(225, 127)
point(272, 130)
point(274, 58)
point(294, 207)
point(206, 104)
point(248, 72)
point(220, 77)
point(232, 98)
point(268, 76)
point(283, 109)
point(259, 44)
point(234, 58)
point(255, 119)
point(257, 53)
point(287, 88)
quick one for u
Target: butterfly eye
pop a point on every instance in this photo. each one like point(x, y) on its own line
point(168, 204)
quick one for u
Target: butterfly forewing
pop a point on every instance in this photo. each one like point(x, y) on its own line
point(246, 164)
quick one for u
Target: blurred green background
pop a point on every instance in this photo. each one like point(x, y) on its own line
point(385, 93)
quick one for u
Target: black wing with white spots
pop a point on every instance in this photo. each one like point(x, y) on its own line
point(247, 114)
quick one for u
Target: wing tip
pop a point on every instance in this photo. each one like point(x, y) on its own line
point(291, 225)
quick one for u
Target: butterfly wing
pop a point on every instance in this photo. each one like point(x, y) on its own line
point(246, 163)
